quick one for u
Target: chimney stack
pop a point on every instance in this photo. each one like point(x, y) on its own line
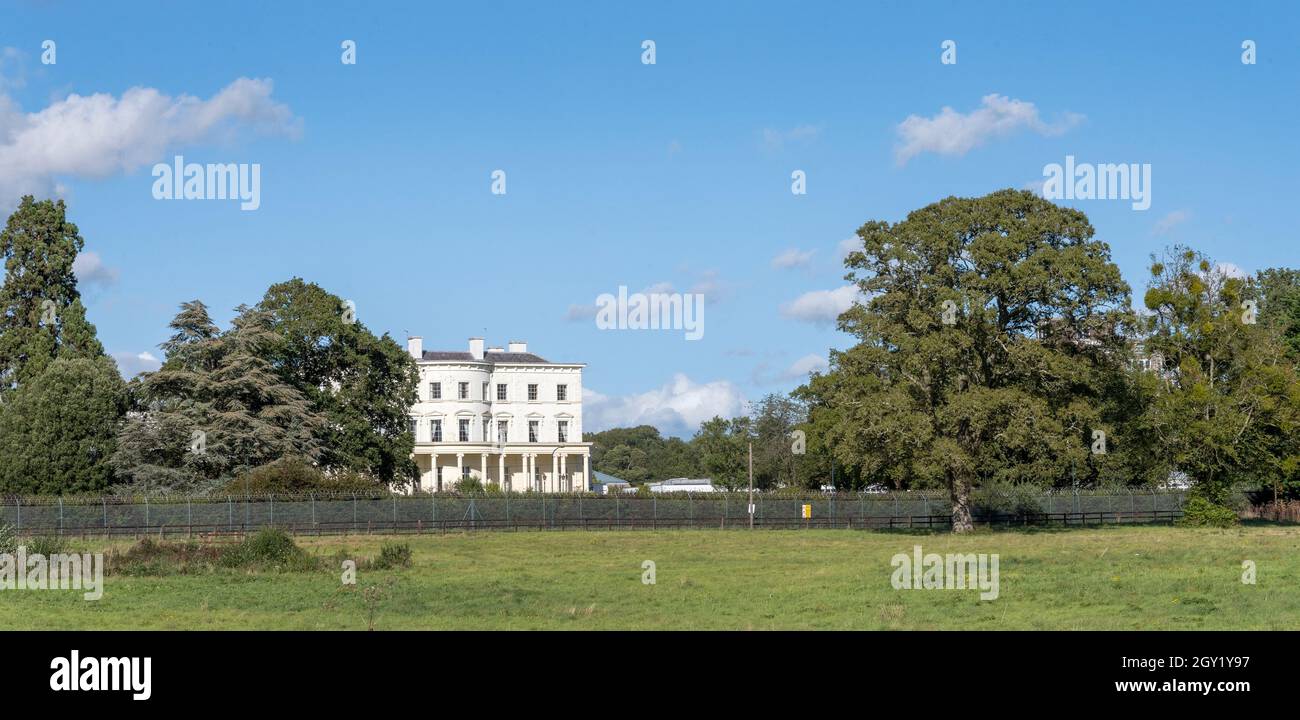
point(476, 348)
point(517, 346)
point(415, 346)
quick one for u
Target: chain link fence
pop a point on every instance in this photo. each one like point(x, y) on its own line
point(420, 513)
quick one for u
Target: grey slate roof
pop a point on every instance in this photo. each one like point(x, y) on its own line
point(495, 357)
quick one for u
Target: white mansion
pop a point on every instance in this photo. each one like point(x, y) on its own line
point(503, 416)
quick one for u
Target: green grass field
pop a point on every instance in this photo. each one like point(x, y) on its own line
point(1107, 578)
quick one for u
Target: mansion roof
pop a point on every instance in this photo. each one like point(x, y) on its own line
point(492, 357)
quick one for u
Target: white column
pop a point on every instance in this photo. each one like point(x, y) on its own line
point(564, 465)
point(482, 466)
point(586, 471)
point(501, 471)
point(460, 467)
point(437, 476)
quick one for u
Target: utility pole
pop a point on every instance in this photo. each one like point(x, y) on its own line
point(751, 485)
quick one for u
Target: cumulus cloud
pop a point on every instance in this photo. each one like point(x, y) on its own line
point(100, 135)
point(132, 364)
point(677, 408)
point(13, 68)
point(92, 272)
point(1170, 221)
point(792, 258)
point(821, 307)
point(1231, 270)
point(706, 283)
point(846, 246)
point(954, 133)
point(805, 365)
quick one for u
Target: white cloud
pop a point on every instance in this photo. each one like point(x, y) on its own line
point(97, 136)
point(677, 408)
point(1170, 221)
point(821, 306)
point(580, 312)
point(810, 363)
point(132, 364)
point(1231, 270)
point(774, 139)
point(952, 133)
point(92, 272)
point(13, 68)
point(792, 258)
point(846, 246)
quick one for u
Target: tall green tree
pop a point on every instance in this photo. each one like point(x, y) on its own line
point(775, 417)
point(41, 315)
point(216, 409)
point(640, 454)
point(1277, 291)
point(59, 428)
point(363, 384)
point(988, 330)
point(723, 448)
point(1229, 410)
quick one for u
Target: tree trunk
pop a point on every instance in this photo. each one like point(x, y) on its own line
point(959, 488)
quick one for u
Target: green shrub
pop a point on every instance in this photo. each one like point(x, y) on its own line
point(1200, 512)
point(393, 555)
point(45, 545)
point(153, 558)
point(295, 475)
point(269, 549)
point(469, 485)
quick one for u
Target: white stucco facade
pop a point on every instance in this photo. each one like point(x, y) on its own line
point(503, 416)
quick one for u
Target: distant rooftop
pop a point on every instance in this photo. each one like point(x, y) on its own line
point(495, 357)
point(684, 481)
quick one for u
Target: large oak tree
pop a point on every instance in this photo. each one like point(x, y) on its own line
point(989, 339)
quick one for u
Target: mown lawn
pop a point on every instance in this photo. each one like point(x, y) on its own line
point(1107, 578)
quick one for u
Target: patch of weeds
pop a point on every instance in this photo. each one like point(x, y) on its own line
point(392, 555)
point(153, 558)
point(46, 545)
point(268, 549)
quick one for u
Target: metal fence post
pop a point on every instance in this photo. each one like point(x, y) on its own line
point(313, 509)
point(230, 511)
point(394, 512)
point(18, 506)
point(146, 513)
point(354, 512)
point(60, 516)
point(105, 501)
point(272, 499)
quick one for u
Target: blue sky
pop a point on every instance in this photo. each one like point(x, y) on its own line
point(376, 176)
